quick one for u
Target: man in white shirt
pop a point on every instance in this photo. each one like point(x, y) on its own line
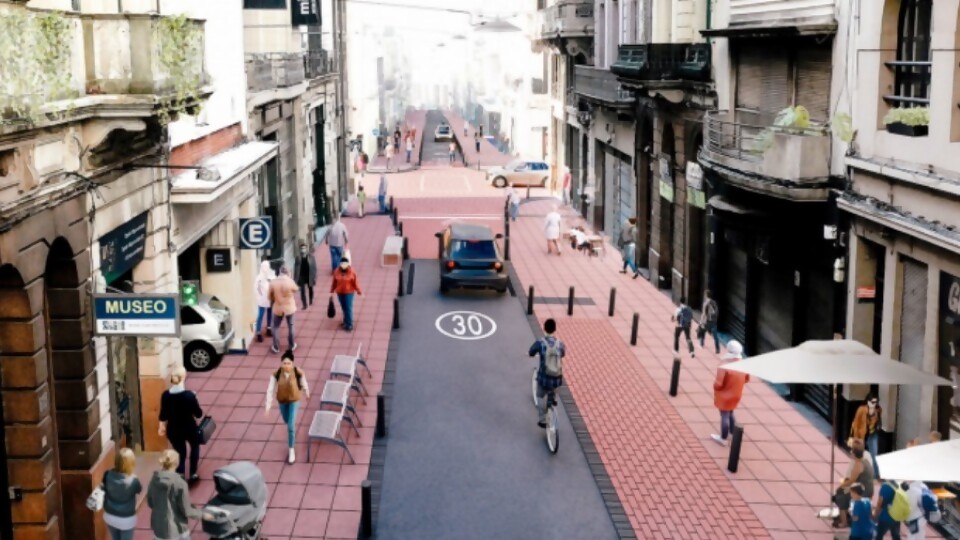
point(916, 521)
point(337, 240)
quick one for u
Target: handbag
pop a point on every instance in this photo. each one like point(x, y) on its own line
point(331, 311)
point(205, 429)
point(95, 500)
point(701, 332)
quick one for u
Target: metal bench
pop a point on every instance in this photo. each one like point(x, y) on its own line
point(345, 366)
point(326, 427)
point(337, 393)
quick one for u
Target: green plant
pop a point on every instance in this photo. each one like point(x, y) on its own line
point(181, 56)
point(34, 63)
point(792, 120)
point(910, 116)
point(842, 126)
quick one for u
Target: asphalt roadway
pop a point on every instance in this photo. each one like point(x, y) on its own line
point(433, 150)
point(465, 457)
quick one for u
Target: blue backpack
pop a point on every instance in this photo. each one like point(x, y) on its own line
point(686, 316)
point(931, 510)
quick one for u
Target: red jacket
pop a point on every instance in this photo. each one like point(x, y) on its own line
point(728, 388)
point(345, 282)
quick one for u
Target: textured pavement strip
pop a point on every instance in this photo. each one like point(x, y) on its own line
point(489, 155)
point(320, 499)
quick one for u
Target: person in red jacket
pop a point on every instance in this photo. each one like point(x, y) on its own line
point(727, 391)
point(345, 285)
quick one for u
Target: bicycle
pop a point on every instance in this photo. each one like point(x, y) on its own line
point(552, 417)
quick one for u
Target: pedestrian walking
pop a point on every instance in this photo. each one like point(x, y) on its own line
point(337, 240)
point(862, 527)
point(709, 314)
point(566, 185)
point(476, 143)
point(727, 392)
point(120, 489)
point(684, 318)
point(362, 162)
point(551, 229)
point(283, 297)
point(513, 201)
point(466, 127)
point(390, 154)
point(866, 427)
point(287, 384)
point(361, 201)
point(453, 151)
point(550, 373)
point(858, 472)
point(917, 520)
point(628, 246)
point(396, 139)
point(886, 523)
point(179, 412)
point(345, 285)
point(305, 268)
point(262, 292)
point(409, 148)
point(169, 500)
point(481, 130)
point(382, 193)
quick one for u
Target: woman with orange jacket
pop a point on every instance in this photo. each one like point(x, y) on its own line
point(345, 285)
point(727, 391)
point(866, 427)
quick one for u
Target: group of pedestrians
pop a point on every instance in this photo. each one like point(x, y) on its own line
point(381, 197)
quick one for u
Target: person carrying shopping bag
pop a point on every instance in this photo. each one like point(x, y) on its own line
point(345, 285)
point(288, 384)
point(179, 412)
point(120, 489)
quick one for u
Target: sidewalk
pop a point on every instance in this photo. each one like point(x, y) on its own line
point(643, 434)
point(412, 120)
point(320, 499)
point(488, 156)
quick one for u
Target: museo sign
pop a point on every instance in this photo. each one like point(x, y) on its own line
point(122, 248)
point(139, 315)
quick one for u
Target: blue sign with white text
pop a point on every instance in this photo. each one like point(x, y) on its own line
point(141, 315)
point(256, 233)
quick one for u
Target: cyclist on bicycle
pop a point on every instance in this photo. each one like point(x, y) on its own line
point(550, 373)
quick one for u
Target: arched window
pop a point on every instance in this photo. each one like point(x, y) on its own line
point(913, 66)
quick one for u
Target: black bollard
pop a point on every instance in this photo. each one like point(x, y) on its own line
point(675, 377)
point(381, 416)
point(613, 301)
point(633, 329)
point(391, 203)
point(528, 191)
point(406, 249)
point(396, 313)
point(506, 248)
point(570, 302)
point(366, 509)
point(400, 228)
point(400, 283)
point(395, 217)
point(734, 461)
point(530, 301)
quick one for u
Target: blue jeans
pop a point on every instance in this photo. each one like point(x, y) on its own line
point(262, 313)
point(336, 253)
point(629, 254)
point(711, 328)
point(382, 199)
point(288, 411)
point(871, 444)
point(408, 155)
point(276, 331)
point(346, 304)
point(514, 211)
point(727, 423)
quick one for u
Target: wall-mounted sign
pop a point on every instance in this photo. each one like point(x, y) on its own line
point(696, 198)
point(694, 175)
point(305, 12)
point(666, 190)
point(256, 233)
point(666, 170)
point(122, 248)
point(140, 315)
point(219, 260)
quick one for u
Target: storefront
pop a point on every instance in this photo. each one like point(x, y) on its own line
point(948, 399)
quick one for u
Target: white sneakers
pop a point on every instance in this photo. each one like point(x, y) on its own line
point(293, 457)
point(719, 440)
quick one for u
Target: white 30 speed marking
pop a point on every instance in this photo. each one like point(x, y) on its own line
point(466, 325)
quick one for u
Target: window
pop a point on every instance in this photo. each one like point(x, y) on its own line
point(911, 69)
point(473, 249)
point(189, 316)
point(264, 4)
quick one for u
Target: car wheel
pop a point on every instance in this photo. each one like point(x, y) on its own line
point(500, 182)
point(199, 356)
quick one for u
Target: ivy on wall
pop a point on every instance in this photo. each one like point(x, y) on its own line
point(34, 63)
point(181, 56)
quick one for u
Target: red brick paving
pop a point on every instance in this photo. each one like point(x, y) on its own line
point(320, 499)
point(489, 156)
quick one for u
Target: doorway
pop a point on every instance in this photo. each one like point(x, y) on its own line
point(124, 373)
point(667, 209)
point(697, 254)
point(320, 205)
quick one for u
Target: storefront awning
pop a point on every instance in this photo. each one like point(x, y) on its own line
point(222, 172)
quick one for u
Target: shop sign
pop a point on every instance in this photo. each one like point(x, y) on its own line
point(305, 12)
point(666, 190)
point(950, 299)
point(122, 248)
point(138, 315)
point(256, 233)
point(694, 175)
point(696, 198)
point(219, 260)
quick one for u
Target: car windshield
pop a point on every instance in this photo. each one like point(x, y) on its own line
point(443, 128)
point(473, 249)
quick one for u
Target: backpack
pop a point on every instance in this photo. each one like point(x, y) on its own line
point(711, 310)
point(685, 317)
point(899, 507)
point(553, 362)
point(931, 510)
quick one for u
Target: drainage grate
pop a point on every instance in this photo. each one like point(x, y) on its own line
point(562, 300)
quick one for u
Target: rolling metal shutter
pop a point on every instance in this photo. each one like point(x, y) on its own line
point(913, 319)
point(819, 300)
point(733, 304)
point(763, 79)
point(774, 310)
point(814, 69)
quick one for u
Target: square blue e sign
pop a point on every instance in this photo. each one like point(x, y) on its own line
point(256, 233)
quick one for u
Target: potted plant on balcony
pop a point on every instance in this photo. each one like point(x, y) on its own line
point(909, 121)
point(791, 121)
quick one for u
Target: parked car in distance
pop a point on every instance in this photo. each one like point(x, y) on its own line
point(205, 332)
point(520, 173)
point(443, 133)
point(470, 258)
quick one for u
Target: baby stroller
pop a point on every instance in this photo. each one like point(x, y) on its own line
point(237, 510)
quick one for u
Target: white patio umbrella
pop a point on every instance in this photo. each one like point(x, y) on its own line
point(833, 362)
point(933, 462)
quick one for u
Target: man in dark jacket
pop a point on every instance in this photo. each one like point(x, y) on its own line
point(305, 272)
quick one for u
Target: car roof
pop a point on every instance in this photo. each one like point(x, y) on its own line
point(466, 231)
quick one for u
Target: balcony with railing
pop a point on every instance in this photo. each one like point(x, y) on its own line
point(601, 86)
point(564, 20)
point(271, 71)
point(663, 65)
point(319, 63)
point(756, 151)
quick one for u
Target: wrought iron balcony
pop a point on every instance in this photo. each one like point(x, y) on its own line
point(601, 86)
point(565, 19)
point(750, 150)
point(663, 64)
point(269, 71)
point(319, 62)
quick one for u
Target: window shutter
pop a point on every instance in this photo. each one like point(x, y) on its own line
point(763, 79)
point(813, 81)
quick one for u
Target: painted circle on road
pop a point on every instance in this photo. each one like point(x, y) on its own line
point(466, 325)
